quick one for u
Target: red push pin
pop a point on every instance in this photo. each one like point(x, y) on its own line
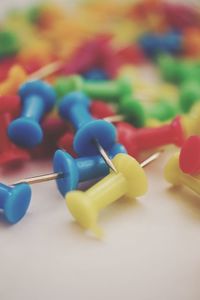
point(53, 129)
point(131, 54)
point(100, 109)
point(5, 65)
point(9, 152)
point(96, 52)
point(85, 57)
point(189, 159)
point(66, 143)
point(138, 140)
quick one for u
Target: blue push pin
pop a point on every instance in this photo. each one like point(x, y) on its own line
point(153, 44)
point(95, 75)
point(37, 99)
point(14, 201)
point(81, 169)
point(69, 172)
point(91, 134)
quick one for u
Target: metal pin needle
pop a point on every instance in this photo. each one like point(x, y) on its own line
point(105, 156)
point(45, 71)
point(53, 176)
point(115, 118)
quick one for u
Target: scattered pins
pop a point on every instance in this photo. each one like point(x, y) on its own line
point(69, 171)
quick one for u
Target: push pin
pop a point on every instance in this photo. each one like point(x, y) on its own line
point(95, 75)
point(37, 99)
point(134, 111)
point(16, 76)
point(9, 152)
point(110, 90)
point(14, 201)
point(65, 142)
point(138, 140)
point(189, 159)
point(86, 56)
point(69, 172)
point(190, 121)
point(95, 52)
point(130, 180)
point(92, 135)
point(101, 110)
point(53, 128)
point(189, 95)
point(175, 176)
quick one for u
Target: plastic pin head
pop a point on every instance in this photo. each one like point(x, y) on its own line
point(189, 159)
point(175, 176)
point(130, 181)
point(14, 201)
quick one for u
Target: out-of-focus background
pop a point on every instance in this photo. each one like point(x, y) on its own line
point(150, 250)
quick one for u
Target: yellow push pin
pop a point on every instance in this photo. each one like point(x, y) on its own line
point(130, 180)
point(175, 176)
point(190, 121)
point(16, 77)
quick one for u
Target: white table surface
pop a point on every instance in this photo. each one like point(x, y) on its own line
point(151, 250)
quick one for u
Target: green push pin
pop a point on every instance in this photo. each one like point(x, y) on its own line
point(66, 84)
point(109, 90)
point(9, 43)
point(178, 70)
point(33, 14)
point(185, 70)
point(168, 67)
point(134, 112)
point(189, 95)
point(163, 110)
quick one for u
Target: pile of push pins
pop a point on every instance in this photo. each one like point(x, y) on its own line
point(72, 91)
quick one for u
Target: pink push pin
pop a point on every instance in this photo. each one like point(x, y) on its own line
point(189, 159)
point(9, 153)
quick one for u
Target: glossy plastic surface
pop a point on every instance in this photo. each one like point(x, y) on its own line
point(37, 99)
point(133, 111)
point(138, 140)
point(130, 180)
point(107, 90)
point(14, 201)
point(100, 109)
point(175, 176)
point(75, 108)
point(80, 169)
point(189, 159)
point(110, 90)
